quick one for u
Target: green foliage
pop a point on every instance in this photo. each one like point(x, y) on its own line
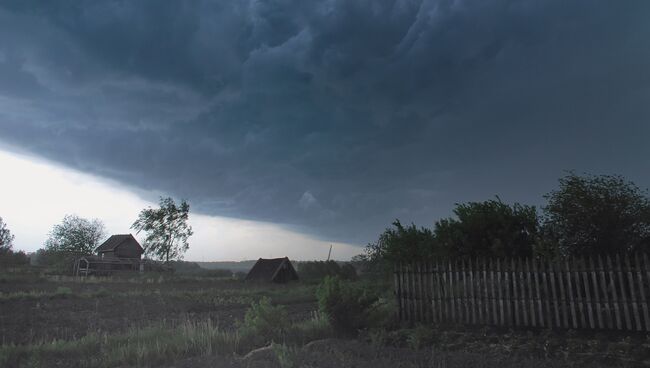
point(6, 238)
point(345, 304)
point(317, 270)
point(419, 337)
point(490, 228)
point(166, 228)
point(55, 262)
point(75, 235)
point(9, 258)
point(402, 244)
point(265, 322)
point(286, 355)
point(597, 214)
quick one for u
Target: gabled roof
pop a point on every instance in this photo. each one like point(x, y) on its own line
point(116, 240)
point(267, 269)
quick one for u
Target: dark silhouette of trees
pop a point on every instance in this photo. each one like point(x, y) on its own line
point(596, 214)
point(490, 228)
point(166, 228)
point(401, 243)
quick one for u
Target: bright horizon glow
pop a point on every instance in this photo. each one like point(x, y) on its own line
point(36, 194)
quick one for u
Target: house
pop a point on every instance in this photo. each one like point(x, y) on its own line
point(278, 270)
point(120, 246)
point(118, 253)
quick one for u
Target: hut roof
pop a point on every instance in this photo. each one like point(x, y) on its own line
point(269, 269)
point(116, 240)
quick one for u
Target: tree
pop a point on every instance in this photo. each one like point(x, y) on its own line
point(402, 244)
point(75, 235)
point(167, 229)
point(6, 238)
point(490, 228)
point(595, 214)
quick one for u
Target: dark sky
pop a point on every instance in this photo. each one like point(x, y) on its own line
point(334, 117)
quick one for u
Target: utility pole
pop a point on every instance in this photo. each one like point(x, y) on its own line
point(330, 253)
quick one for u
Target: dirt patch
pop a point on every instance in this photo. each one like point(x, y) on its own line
point(30, 320)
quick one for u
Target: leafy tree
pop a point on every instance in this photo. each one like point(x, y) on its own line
point(75, 235)
point(490, 228)
point(6, 238)
point(402, 244)
point(167, 229)
point(595, 214)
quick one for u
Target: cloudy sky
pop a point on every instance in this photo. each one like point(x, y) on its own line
point(304, 123)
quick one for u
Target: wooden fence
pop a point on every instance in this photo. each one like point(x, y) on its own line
point(606, 292)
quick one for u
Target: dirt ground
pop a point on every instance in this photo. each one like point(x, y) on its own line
point(112, 307)
point(335, 353)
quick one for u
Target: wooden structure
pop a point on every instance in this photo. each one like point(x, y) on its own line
point(278, 270)
point(123, 246)
point(118, 253)
point(95, 265)
point(601, 292)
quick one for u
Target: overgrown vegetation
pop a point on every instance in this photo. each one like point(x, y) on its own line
point(585, 215)
point(351, 307)
point(313, 271)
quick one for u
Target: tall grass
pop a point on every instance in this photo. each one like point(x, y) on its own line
point(152, 346)
point(140, 347)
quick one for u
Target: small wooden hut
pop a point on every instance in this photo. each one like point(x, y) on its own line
point(120, 252)
point(123, 246)
point(278, 270)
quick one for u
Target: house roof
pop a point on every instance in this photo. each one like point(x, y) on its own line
point(116, 240)
point(267, 269)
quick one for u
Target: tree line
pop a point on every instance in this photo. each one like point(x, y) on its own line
point(166, 235)
point(586, 214)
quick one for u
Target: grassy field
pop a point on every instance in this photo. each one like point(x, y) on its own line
point(190, 321)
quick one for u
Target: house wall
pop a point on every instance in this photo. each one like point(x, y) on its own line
point(107, 254)
point(129, 249)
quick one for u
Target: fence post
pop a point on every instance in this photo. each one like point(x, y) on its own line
point(439, 286)
point(635, 306)
point(570, 289)
point(513, 271)
point(603, 285)
point(495, 312)
point(594, 279)
point(500, 288)
point(626, 311)
point(465, 293)
point(612, 284)
point(398, 291)
point(471, 291)
point(506, 276)
point(552, 267)
point(537, 293)
point(543, 266)
point(588, 304)
point(644, 304)
point(522, 286)
point(485, 293)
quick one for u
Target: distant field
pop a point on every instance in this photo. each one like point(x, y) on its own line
point(196, 321)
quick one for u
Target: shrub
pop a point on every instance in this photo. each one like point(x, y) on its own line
point(419, 337)
point(264, 323)
point(317, 270)
point(346, 305)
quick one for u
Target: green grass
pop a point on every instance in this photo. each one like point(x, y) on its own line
point(151, 346)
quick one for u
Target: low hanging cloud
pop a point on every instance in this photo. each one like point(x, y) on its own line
point(383, 109)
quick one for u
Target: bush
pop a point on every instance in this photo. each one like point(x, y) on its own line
point(264, 323)
point(9, 258)
point(318, 270)
point(347, 306)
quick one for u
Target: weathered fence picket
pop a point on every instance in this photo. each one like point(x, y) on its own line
point(586, 293)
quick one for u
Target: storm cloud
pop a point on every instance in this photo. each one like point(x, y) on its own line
point(333, 116)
